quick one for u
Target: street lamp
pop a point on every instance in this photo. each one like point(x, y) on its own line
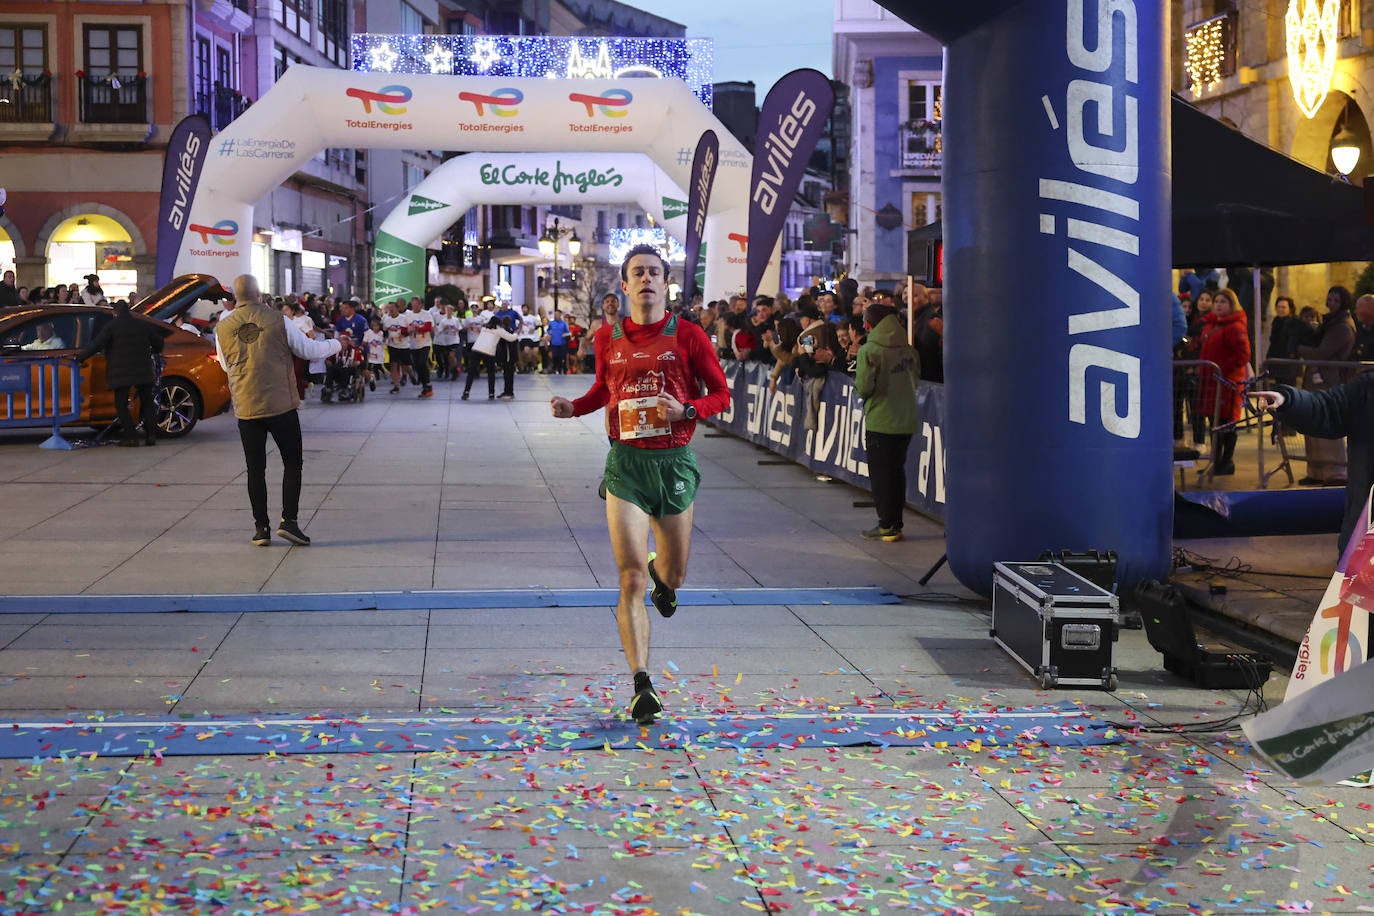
point(1345, 148)
point(549, 245)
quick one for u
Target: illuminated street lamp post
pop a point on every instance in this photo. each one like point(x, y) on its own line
point(549, 246)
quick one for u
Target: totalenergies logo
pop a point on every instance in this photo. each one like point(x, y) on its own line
point(503, 102)
point(613, 103)
point(225, 232)
point(390, 100)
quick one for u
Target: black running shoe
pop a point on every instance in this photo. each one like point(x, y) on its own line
point(645, 706)
point(663, 597)
point(290, 531)
point(262, 536)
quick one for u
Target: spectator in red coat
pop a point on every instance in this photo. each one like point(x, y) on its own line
point(1226, 342)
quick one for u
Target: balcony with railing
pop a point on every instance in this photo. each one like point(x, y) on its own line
point(922, 146)
point(26, 107)
point(112, 107)
point(229, 104)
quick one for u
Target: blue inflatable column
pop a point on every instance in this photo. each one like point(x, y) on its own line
point(1057, 350)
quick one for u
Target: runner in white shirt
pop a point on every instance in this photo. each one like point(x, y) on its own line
point(374, 349)
point(397, 349)
point(421, 337)
point(531, 329)
point(446, 331)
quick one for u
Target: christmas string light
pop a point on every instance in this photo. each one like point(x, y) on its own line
point(1313, 32)
point(691, 60)
point(1205, 54)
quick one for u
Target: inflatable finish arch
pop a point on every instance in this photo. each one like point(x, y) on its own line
point(311, 108)
point(513, 178)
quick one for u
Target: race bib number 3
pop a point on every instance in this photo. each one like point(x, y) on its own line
point(640, 419)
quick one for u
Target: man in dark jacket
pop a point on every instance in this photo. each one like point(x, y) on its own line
point(1345, 410)
point(129, 344)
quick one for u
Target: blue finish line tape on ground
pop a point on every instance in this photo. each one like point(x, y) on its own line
point(1058, 725)
point(423, 600)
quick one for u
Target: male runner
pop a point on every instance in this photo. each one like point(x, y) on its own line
point(649, 377)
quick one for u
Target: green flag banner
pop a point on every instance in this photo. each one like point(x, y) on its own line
point(398, 269)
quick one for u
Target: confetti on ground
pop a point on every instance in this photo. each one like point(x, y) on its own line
point(570, 812)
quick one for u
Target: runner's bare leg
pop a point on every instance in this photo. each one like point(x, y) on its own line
point(629, 528)
point(672, 543)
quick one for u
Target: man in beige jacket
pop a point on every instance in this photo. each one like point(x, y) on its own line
point(256, 344)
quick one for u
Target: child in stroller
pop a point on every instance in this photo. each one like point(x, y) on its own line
point(343, 373)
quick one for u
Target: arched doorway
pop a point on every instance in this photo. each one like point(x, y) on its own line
point(92, 243)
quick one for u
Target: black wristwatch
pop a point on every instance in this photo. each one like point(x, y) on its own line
point(689, 410)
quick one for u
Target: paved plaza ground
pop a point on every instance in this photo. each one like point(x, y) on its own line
point(429, 717)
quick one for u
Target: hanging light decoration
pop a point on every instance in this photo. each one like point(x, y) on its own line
point(1313, 33)
point(1205, 54)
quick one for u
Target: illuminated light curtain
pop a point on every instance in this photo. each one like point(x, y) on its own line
point(1312, 43)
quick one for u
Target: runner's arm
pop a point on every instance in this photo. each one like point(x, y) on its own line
point(702, 359)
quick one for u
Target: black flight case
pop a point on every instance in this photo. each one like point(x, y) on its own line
point(1056, 624)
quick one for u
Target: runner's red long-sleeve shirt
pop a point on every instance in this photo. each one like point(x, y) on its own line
point(699, 366)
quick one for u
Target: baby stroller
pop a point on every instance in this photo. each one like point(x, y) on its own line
point(343, 374)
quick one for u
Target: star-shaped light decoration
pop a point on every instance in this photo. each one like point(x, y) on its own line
point(439, 59)
point(383, 58)
point(484, 54)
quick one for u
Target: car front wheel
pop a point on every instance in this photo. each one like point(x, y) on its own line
point(178, 408)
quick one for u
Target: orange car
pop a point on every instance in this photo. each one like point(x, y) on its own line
point(193, 383)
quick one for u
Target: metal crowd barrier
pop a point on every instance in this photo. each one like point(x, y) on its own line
point(1292, 445)
point(38, 391)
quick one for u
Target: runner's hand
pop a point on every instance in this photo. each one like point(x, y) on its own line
point(562, 408)
point(669, 407)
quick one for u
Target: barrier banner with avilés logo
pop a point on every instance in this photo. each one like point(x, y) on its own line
point(778, 420)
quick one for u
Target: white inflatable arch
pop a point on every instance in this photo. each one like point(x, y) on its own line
point(513, 178)
point(313, 108)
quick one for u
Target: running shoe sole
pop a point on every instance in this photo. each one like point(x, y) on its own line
point(645, 707)
point(663, 597)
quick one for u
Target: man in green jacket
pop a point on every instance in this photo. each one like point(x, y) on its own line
point(885, 378)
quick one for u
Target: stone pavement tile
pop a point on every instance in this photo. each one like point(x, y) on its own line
point(327, 619)
point(244, 659)
point(301, 694)
point(62, 567)
point(454, 570)
point(172, 631)
point(1225, 812)
point(45, 821)
point(1247, 875)
point(717, 617)
point(670, 635)
point(524, 616)
point(729, 693)
point(953, 620)
point(131, 693)
point(959, 658)
point(9, 632)
point(179, 880)
point(298, 574)
point(278, 778)
point(890, 767)
point(1135, 768)
point(730, 660)
point(551, 634)
point(991, 690)
point(115, 661)
point(645, 877)
point(1348, 807)
point(22, 619)
point(581, 697)
point(925, 877)
point(233, 567)
point(323, 637)
point(464, 662)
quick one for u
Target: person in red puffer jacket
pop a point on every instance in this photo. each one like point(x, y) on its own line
point(1226, 342)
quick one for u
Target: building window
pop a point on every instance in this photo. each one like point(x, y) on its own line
point(295, 16)
point(281, 59)
point(411, 175)
point(23, 48)
point(926, 208)
point(202, 77)
point(113, 89)
point(922, 145)
point(334, 30)
point(112, 49)
point(412, 23)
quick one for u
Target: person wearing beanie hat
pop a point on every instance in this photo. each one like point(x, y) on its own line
point(885, 379)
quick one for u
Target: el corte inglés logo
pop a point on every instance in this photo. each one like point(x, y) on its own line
point(385, 259)
point(420, 204)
